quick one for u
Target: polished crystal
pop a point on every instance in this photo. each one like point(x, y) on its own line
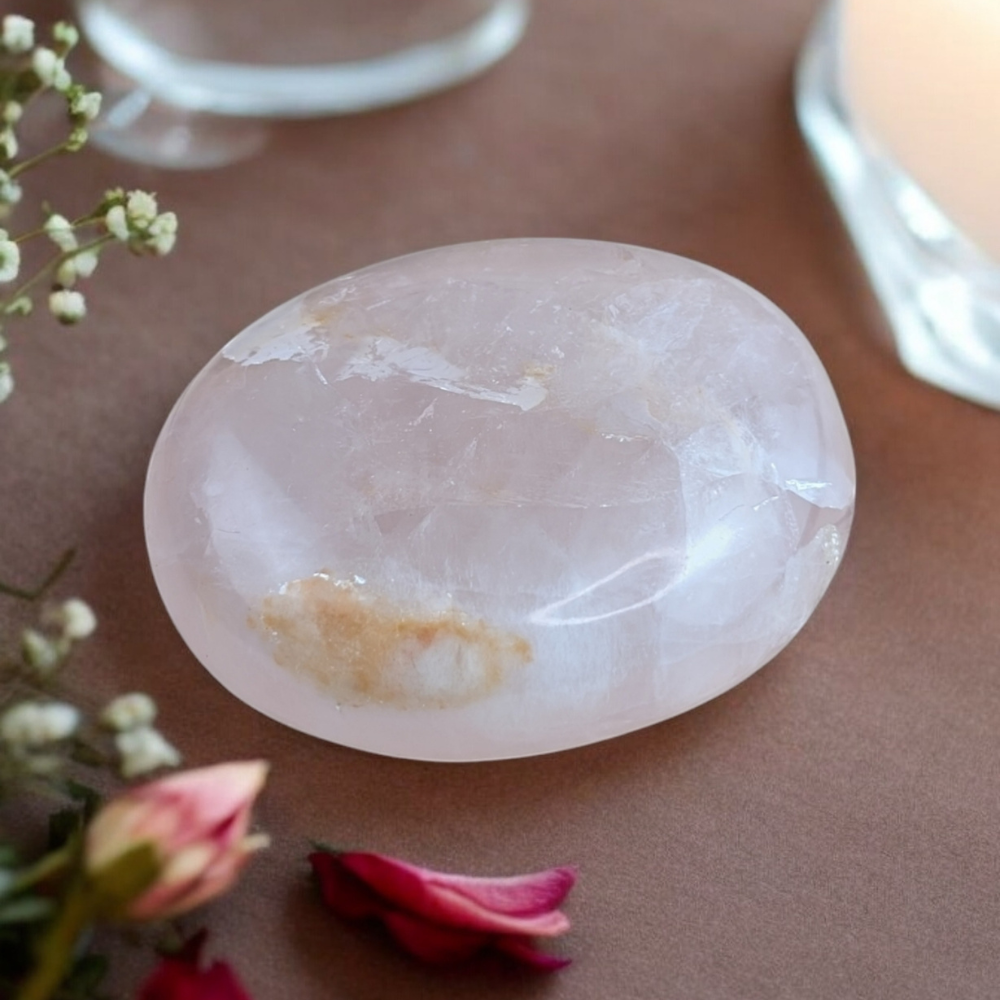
point(501, 499)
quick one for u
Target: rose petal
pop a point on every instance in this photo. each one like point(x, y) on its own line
point(517, 905)
point(523, 950)
point(180, 977)
point(431, 943)
point(343, 892)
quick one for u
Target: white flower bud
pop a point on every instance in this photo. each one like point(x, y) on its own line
point(67, 307)
point(80, 265)
point(143, 750)
point(85, 263)
point(129, 711)
point(74, 617)
point(141, 207)
point(77, 139)
point(60, 230)
point(34, 724)
point(117, 223)
point(12, 112)
point(10, 259)
point(86, 105)
point(66, 273)
point(21, 306)
point(10, 190)
point(40, 652)
point(65, 34)
point(18, 34)
point(162, 234)
point(8, 143)
point(46, 65)
point(6, 381)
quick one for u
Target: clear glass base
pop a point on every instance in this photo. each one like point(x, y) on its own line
point(188, 86)
point(124, 36)
point(941, 294)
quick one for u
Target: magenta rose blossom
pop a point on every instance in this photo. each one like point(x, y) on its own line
point(184, 977)
point(443, 918)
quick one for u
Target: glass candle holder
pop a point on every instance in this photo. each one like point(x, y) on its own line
point(898, 100)
point(187, 72)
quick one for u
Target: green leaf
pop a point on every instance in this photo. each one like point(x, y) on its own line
point(26, 910)
point(115, 885)
point(8, 856)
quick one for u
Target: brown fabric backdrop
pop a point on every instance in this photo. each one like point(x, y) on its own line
point(830, 829)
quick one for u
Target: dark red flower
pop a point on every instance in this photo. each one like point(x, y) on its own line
point(184, 977)
point(443, 918)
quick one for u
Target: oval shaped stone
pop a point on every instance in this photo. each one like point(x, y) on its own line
point(500, 499)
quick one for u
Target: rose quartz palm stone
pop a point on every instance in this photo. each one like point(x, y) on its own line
point(500, 499)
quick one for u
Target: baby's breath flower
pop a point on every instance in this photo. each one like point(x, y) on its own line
point(162, 234)
point(10, 258)
point(35, 724)
point(76, 140)
point(66, 273)
point(80, 265)
point(129, 711)
point(74, 618)
point(21, 306)
point(18, 34)
point(6, 381)
point(10, 190)
point(12, 112)
point(40, 652)
point(117, 223)
point(144, 749)
point(85, 104)
point(8, 143)
point(68, 307)
point(85, 263)
point(46, 65)
point(141, 207)
point(65, 35)
point(60, 230)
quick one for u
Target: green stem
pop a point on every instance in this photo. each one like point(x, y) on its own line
point(53, 264)
point(49, 865)
point(56, 948)
point(33, 594)
point(76, 224)
point(33, 161)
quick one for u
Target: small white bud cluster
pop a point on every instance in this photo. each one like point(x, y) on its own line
point(67, 306)
point(10, 191)
point(135, 219)
point(141, 748)
point(10, 258)
point(50, 68)
point(77, 263)
point(33, 724)
point(70, 622)
point(17, 34)
point(44, 69)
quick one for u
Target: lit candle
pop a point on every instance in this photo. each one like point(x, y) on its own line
point(922, 78)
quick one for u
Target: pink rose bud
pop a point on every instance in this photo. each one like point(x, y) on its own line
point(184, 977)
point(443, 918)
point(196, 822)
